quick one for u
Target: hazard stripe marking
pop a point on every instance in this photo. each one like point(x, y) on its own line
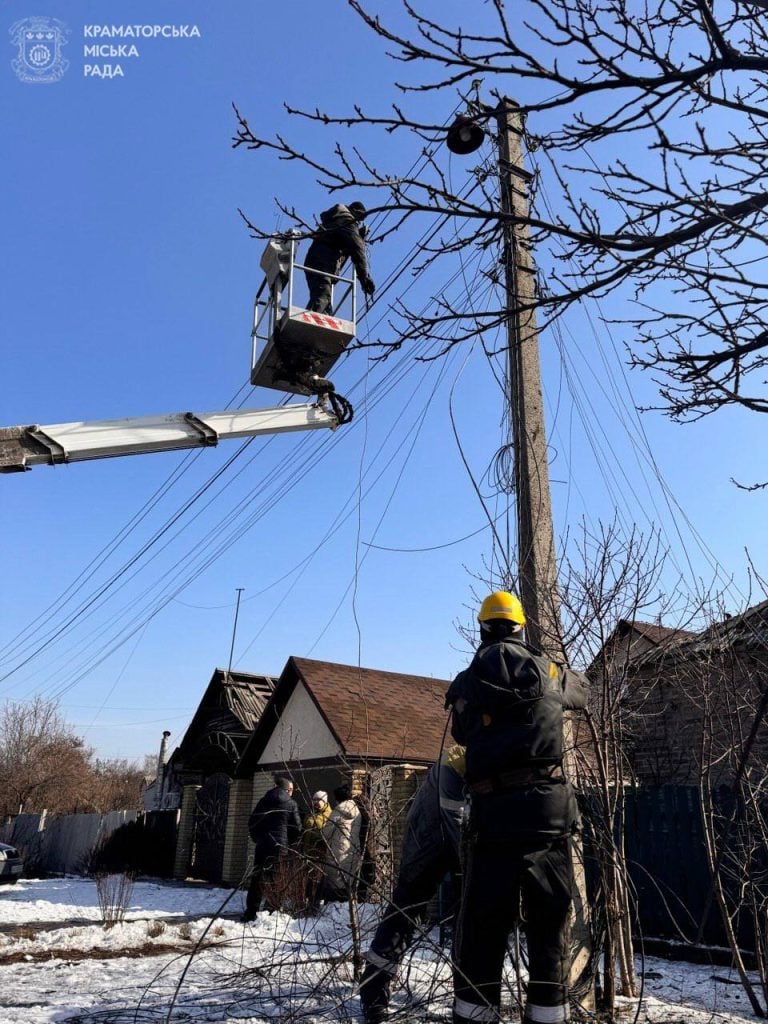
point(321, 320)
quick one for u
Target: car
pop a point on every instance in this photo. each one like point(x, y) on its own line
point(11, 864)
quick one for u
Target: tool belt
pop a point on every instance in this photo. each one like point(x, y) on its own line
point(516, 778)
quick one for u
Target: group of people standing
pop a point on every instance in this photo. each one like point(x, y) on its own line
point(330, 842)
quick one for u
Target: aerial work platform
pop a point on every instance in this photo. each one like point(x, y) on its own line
point(294, 349)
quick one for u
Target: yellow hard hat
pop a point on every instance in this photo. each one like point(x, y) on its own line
point(502, 605)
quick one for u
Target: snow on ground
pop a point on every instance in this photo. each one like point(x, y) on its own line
point(32, 900)
point(58, 964)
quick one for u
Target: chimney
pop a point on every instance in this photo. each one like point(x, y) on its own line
point(162, 757)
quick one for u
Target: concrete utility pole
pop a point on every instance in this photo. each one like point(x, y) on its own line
point(537, 566)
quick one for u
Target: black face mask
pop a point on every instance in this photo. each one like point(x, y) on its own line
point(497, 631)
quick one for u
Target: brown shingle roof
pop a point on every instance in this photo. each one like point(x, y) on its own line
point(657, 634)
point(378, 714)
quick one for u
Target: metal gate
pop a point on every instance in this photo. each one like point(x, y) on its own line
point(210, 827)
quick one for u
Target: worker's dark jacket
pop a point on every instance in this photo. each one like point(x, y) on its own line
point(508, 712)
point(339, 238)
point(274, 823)
point(433, 826)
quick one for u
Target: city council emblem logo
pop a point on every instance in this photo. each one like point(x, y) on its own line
point(39, 41)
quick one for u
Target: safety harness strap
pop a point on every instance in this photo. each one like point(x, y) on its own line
point(518, 777)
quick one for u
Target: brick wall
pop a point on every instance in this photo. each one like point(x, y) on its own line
point(406, 779)
point(262, 782)
point(236, 837)
point(186, 831)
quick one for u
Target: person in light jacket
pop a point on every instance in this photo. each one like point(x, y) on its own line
point(342, 834)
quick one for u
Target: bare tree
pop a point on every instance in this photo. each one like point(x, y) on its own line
point(721, 700)
point(609, 578)
point(112, 785)
point(650, 124)
point(42, 763)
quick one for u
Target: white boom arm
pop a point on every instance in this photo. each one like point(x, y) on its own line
point(24, 447)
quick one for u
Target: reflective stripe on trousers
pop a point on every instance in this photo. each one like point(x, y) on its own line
point(471, 1011)
point(381, 962)
point(546, 1014)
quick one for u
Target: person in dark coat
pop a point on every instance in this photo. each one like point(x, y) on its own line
point(339, 238)
point(274, 826)
point(507, 709)
point(430, 852)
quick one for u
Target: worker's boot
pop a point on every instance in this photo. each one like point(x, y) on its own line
point(374, 994)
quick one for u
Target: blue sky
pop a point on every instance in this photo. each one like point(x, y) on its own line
point(126, 289)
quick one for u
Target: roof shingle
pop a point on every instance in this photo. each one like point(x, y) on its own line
point(378, 714)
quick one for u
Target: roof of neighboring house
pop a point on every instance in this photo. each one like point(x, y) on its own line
point(371, 713)
point(655, 632)
point(746, 632)
point(226, 716)
point(658, 636)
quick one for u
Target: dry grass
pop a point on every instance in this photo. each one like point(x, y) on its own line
point(77, 955)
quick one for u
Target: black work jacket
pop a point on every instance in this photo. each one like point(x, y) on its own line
point(275, 822)
point(336, 241)
point(433, 825)
point(508, 712)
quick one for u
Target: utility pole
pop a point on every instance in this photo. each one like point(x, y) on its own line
point(537, 566)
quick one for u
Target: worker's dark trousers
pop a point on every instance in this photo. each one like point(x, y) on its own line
point(320, 292)
point(417, 884)
point(264, 865)
point(497, 878)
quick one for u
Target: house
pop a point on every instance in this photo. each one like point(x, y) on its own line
point(702, 696)
point(678, 686)
point(202, 767)
point(326, 724)
point(690, 714)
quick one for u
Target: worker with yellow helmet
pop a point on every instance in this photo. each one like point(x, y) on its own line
point(507, 710)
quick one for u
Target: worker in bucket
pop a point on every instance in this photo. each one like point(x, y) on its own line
point(341, 236)
point(430, 852)
point(507, 709)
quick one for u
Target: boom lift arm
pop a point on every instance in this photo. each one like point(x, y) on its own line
point(24, 447)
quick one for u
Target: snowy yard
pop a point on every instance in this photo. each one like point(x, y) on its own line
point(176, 959)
